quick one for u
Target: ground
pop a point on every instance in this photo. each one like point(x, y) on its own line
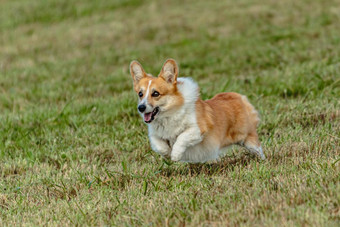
point(74, 151)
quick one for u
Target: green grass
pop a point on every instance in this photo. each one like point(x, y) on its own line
point(74, 151)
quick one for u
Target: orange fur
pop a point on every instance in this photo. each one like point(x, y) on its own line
point(228, 118)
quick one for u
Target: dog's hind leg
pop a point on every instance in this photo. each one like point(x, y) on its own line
point(253, 145)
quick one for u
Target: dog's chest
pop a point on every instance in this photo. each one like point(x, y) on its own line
point(170, 128)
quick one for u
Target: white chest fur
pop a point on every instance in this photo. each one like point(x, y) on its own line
point(170, 128)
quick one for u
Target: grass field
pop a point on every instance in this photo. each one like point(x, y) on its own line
point(74, 151)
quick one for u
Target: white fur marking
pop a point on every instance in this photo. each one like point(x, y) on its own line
point(147, 91)
point(145, 99)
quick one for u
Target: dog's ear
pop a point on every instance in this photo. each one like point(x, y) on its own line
point(169, 71)
point(137, 72)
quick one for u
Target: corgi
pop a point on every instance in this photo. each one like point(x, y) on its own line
point(185, 128)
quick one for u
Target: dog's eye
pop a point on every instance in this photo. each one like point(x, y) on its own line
point(155, 94)
point(140, 94)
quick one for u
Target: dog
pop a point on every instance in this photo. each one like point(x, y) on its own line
point(185, 128)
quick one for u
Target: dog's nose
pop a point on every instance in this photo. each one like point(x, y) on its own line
point(141, 108)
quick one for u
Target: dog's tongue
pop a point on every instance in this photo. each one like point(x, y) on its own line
point(147, 116)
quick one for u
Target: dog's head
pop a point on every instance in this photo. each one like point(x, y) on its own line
point(158, 96)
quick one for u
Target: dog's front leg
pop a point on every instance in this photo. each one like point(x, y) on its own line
point(160, 146)
point(189, 137)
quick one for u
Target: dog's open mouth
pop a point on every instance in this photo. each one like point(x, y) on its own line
point(149, 117)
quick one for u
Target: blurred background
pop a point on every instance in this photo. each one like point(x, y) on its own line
point(54, 50)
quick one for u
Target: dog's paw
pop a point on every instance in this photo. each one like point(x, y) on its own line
point(165, 153)
point(176, 157)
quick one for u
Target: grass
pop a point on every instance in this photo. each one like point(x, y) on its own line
point(73, 150)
